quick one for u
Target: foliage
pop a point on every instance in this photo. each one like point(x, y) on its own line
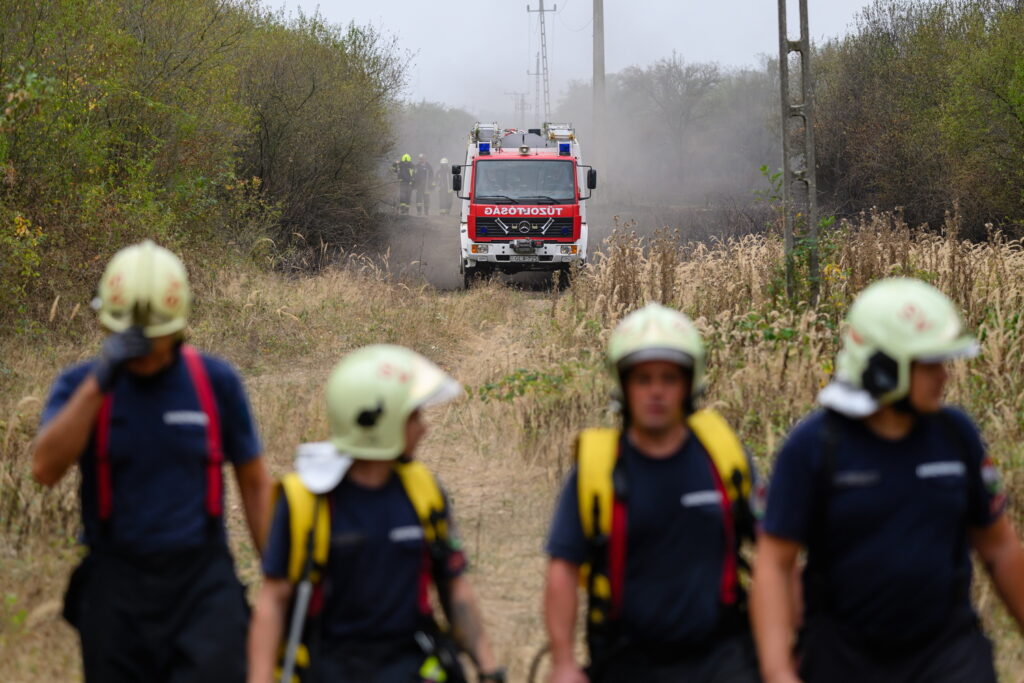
point(921, 107)
point(208, 126)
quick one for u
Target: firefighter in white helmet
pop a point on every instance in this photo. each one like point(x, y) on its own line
point(888, 490)
point(149, 423)
point(650, 521)
point(359, 533)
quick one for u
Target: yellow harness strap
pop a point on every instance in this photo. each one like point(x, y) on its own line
point(726, 451)
point(428, 501)
point(597, 452)
point(417, 481)
point(302, 504)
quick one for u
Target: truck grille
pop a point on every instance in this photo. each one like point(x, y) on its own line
point(514, 228)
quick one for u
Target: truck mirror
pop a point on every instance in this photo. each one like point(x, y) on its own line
point(592, 179)
point(456, 169)
point(457, 183)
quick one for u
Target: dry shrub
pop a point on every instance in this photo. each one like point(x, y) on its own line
point(283, 333)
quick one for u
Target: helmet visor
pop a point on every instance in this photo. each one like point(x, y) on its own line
point(965, 347)
point(431, 386)
point(656, 354)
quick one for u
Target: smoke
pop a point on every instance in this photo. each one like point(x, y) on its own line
point(682, 134)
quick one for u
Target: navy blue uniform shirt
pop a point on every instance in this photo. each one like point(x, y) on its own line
point(158, 455)
point(374, 564)
point(887, 527)
point(676, 545)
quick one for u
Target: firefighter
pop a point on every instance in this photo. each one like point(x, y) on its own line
point(654, 513)
point(380, 531)
point(424, 177)
point(444, 187)
point(406, 173)
point(888, 490)
point(149, 423)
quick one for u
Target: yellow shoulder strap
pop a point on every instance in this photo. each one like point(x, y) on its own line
point(595, 460)
point(725, 449)
point(301, 507)
point(422, 489)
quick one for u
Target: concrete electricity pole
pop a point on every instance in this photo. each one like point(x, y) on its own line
point(799, 186)
point(599, 114)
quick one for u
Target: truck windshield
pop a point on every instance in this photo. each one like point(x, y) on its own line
point(525, 182)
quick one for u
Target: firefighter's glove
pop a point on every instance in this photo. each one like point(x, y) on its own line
point(118, 348)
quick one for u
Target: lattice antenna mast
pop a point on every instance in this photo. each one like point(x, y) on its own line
point(544, 57)
point(536, 87)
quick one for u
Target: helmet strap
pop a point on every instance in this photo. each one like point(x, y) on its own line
point(906, 407)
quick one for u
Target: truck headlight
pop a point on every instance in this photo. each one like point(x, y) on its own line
point(479, 248)
point(569, 248)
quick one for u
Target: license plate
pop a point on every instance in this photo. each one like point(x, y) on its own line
point(522, 259)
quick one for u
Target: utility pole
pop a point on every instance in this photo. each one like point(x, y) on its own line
point(536, 87)
point(519, 102)
point(599, 113)
point(799, 186)
point(544, 57)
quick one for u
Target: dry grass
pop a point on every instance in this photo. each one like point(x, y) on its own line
point(533, 364)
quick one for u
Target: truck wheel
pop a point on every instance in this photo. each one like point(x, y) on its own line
point(560, 279)
point(471, 275)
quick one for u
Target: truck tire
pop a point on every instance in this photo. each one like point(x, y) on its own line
point(473, 275)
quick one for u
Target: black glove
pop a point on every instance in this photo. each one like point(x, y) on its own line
point(496, 676)
point(118, 348)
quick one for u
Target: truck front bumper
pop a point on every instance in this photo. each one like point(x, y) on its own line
point(522, 255)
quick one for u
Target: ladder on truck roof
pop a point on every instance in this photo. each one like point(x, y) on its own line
point(559, 131)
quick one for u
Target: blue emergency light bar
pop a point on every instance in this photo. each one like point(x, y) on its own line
point(484, 148)
point(564, 149)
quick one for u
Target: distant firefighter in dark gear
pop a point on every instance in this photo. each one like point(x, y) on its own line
point(424, 181)
point(444, 187)
point(406, 173)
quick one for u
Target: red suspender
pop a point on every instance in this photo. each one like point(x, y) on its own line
point(423, 585)
point(214, 451)
point(104, 491)
point(727, 590)
point(617, 550)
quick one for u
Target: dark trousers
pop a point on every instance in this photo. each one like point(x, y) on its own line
point(729, 660)
point(444, 201)
point(404, 197)
point(960, 653)
point(368, 665)
point(422, 200)
point(175, 618)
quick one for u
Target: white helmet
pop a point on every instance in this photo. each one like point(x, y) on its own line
point(144, 285)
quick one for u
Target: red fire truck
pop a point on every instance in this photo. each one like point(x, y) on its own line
point(523, 202)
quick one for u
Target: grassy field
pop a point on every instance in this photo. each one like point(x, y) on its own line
point(531, 361)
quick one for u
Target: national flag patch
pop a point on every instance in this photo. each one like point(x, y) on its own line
point(991, 476)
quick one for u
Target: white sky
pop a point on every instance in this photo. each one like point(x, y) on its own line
point(469, 53)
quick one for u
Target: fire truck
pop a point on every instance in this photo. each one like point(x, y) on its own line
point(522, 195)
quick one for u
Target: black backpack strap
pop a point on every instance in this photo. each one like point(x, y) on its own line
point(956, 436)
point(831, 435)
